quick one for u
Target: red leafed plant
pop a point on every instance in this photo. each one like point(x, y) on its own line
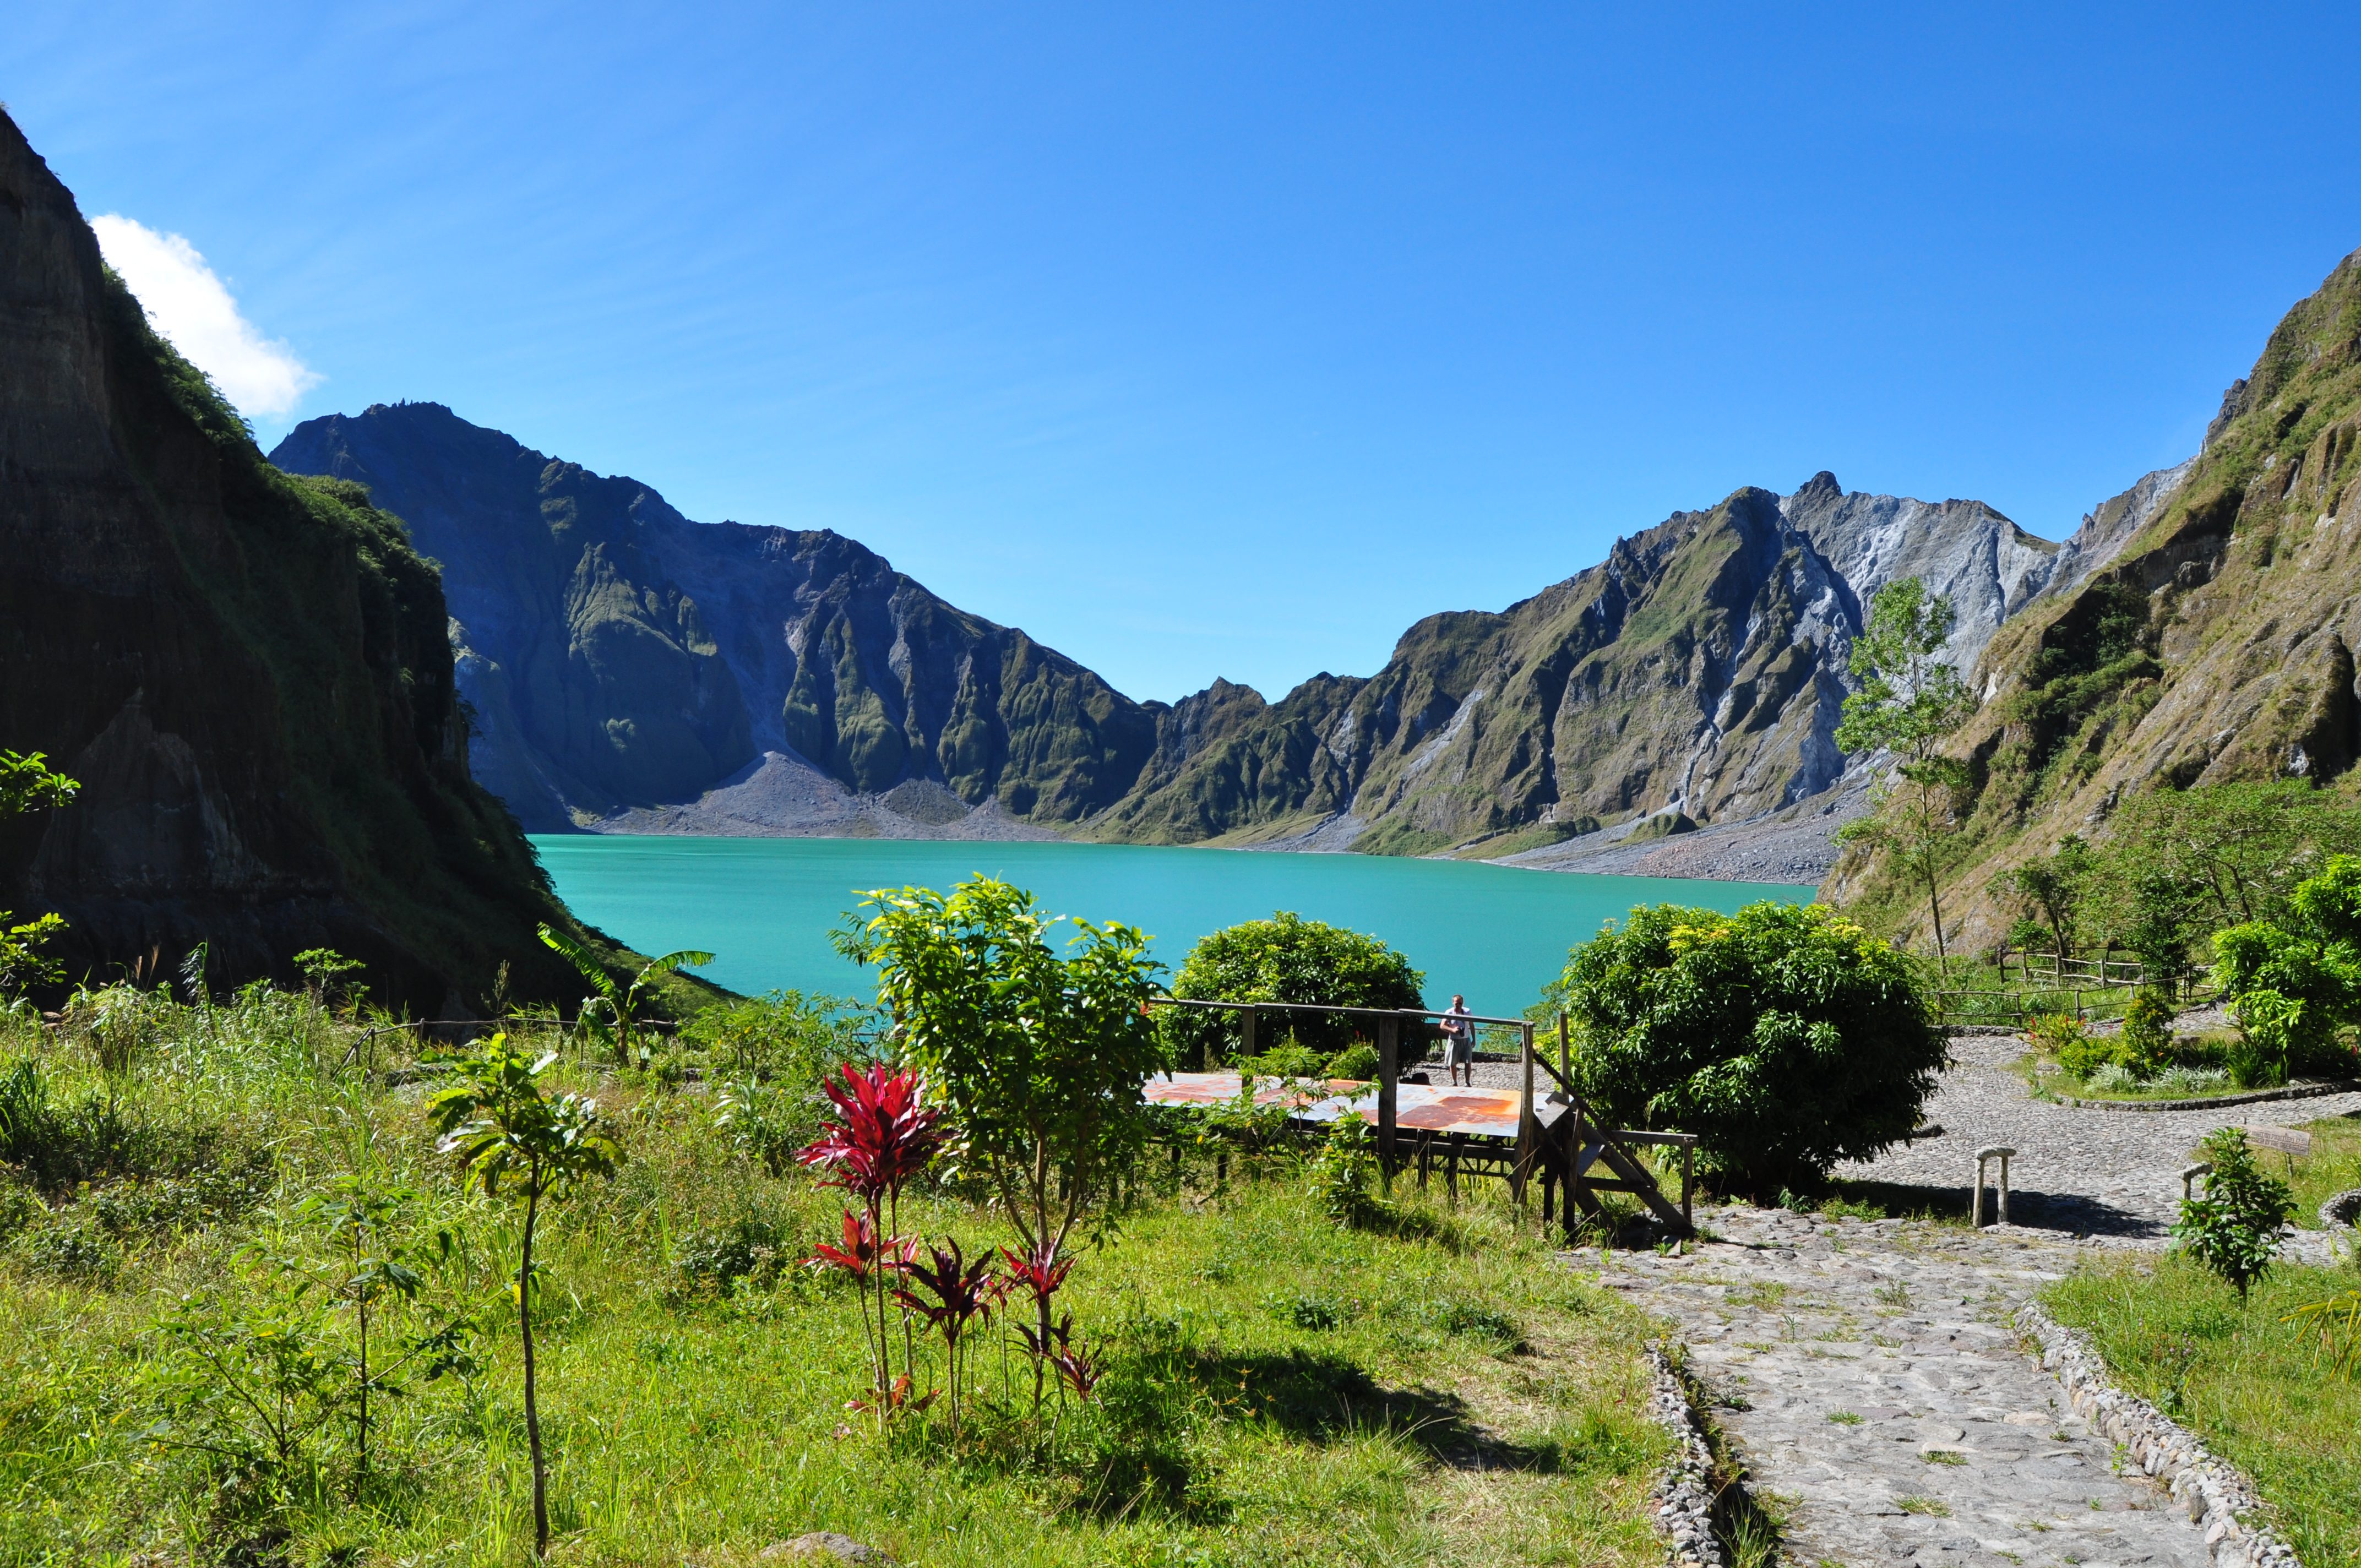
point(1038, 1273)
point(883, 1139)
point(963, 1292)
point(1054, 1346)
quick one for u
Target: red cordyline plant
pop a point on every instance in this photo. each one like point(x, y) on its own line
point(884, 1138)
point(964, 1292)
point(1038, 1273)
point(1076, 1367)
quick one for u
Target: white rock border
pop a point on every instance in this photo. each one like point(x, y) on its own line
point(2216, 1494)
point(1684, 1493)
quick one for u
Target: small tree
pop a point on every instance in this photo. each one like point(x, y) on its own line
point(504, 1131)
point(1909, 704)
point(1040, 1061)
point(325, 969)
point(27, 785)
point(616, 1012)
point(2232, 1227)
point(1287, 959)
point(2052, 888)
point(1786, 1039)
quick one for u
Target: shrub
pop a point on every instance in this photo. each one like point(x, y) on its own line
point(1344, 1171)
point(1287, 958)
point(786, 1037)
point(715, 1261)
point(2061, 1035)
point(1786, 1039)
point(2146, 1044)
point(2232, 1227)
point(2294, 986)
point(1358, 1062)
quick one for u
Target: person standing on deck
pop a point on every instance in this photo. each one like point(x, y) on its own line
point(1459, 1041)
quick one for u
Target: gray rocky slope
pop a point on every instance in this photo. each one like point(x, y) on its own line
point(631, 670)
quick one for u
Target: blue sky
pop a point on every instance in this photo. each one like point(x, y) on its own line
point(1229, 340)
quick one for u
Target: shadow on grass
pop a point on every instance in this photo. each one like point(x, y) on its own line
point(1140, 1449)
point(1321, 1399)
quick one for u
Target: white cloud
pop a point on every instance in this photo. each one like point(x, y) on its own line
point(188, 304)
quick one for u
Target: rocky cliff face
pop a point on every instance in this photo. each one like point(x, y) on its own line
point(630, 669)
point(248, 674)
point(1696, 675)
point(2204, 633)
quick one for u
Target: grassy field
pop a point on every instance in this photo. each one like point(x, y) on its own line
point(1279, 1391)
point(2334, 1165)
point(2253, 1385)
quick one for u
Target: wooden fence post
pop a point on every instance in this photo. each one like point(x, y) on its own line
point(1565, 1060)
point(1246, 1033)
point(1528, 1130)
point(1389, 1071)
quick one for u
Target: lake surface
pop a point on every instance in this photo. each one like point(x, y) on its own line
point(765, 906)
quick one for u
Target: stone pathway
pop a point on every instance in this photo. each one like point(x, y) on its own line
point(2111, 1174)
point(1867, 1375)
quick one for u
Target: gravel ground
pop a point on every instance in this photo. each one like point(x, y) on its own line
point(1869, 1378)
point(2112, 1174)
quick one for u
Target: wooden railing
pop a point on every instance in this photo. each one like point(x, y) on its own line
point(1559, 1138)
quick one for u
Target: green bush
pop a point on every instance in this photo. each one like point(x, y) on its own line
point(1786, 1039)
point(2232, 1227)
point(2295, 987)
point(1357, 1061)
point(1289, 959)
point(2146, 1044)
point(2063, 1036)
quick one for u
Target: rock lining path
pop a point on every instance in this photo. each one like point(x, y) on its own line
point(1869, 1377)
point(1964, 1452)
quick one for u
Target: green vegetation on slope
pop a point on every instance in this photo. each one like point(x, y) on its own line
point(2213, 648)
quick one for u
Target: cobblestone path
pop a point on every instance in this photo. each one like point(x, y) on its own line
point(2114, 1174)
point(1869, 1379)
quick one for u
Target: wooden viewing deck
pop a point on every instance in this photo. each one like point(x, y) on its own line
point(1511, 1133)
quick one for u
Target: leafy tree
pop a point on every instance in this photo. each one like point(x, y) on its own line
point(1786, 1039)
point(27, 785)
point(2233, 853)
point(2232, 1227)
point(615, 1013)
point(494, 1118)
point(2294, 985)
point(1909, 704)
point(1287, 959)
point(325, 969)
point(1041, 1060)
point(2052, 890)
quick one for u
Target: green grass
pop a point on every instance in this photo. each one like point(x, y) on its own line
point(2250, 1384)
point(1279, 1391)
point(2332, 1166)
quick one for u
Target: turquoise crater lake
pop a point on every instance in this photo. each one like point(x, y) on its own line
point(765, 906)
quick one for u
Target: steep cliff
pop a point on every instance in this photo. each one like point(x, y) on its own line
point(2207, 633)
point(630, 669)
point(248, 673)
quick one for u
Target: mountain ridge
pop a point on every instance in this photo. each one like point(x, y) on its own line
point(2207, 637)
point(631, 670)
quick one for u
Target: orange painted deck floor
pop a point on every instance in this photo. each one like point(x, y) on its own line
point(1418, 1107)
